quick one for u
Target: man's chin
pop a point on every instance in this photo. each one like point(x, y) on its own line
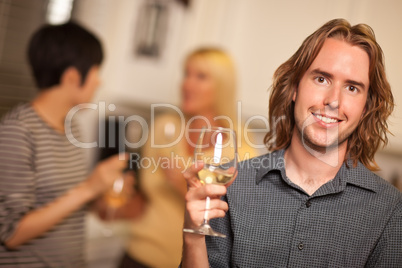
point(321, 146)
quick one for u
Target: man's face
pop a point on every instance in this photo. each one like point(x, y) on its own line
point(331, 96)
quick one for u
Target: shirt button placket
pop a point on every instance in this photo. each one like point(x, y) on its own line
point(300, 246)
point(300, 232)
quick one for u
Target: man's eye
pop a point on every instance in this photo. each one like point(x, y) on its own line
point(320, 79)
point(353, 89)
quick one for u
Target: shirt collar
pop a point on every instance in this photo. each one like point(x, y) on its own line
point(269, 162)
point(359, 176)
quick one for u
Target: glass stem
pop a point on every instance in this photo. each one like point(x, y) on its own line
point(207, 207)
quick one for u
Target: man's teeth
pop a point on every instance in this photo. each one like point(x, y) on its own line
point(326, 119)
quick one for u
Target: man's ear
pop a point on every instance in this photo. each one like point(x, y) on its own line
point(71, 77)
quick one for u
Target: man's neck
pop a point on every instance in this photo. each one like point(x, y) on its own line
point(310, 169)
point(52, 106)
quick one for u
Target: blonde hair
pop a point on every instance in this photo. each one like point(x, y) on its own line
point(222, 70)
point(371, 133)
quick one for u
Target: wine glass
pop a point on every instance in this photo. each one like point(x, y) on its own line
point(217, 149)
point(116, 197)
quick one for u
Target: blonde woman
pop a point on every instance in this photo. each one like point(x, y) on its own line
point(208, 98)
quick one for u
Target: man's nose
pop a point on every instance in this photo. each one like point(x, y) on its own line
point(333, 97)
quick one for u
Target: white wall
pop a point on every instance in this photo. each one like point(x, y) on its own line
point(260, 35)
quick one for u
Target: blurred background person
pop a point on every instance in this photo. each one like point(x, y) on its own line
point(44, 183)
point(208, 94)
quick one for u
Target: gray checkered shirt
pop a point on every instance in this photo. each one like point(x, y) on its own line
point(354, 220)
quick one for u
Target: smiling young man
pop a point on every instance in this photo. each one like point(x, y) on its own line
point(313, 201)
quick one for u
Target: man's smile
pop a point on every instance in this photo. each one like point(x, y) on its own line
point(326, 118)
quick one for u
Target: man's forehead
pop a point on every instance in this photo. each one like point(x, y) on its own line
point(343, 60)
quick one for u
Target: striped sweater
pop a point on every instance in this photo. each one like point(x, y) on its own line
point(37, 165)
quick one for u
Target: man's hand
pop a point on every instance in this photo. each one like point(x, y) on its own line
point(194, 249)
point(196, 196)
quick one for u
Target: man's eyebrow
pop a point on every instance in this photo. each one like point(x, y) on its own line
point(356, 83)
point(323, 73)
point(326, 74)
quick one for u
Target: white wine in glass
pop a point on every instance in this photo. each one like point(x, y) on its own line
point(212, 175)
point(216, 148)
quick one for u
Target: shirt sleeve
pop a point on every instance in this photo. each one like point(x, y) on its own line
point(17, 177)
point(388, 251)
point(220, 249)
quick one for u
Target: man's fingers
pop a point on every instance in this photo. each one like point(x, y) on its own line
point(201, 193)
point(216, 213)
point(191, 174)
point(198, 165)
point(215, 204)
point(196, 209)
point(194, 168)
point(191, 179)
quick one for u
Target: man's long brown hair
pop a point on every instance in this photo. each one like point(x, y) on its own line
point(371, 133)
